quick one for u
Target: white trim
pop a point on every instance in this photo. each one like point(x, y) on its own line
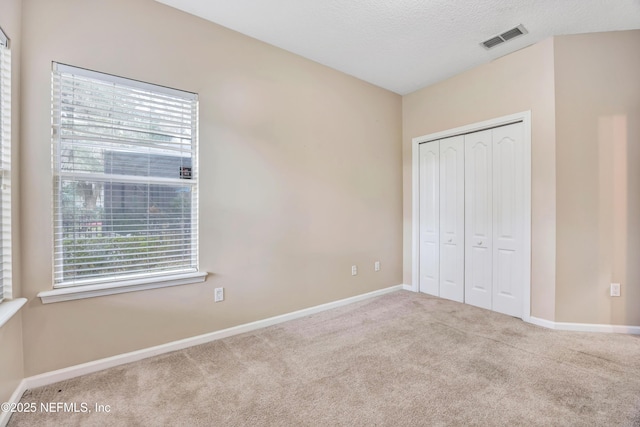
point(408, 288)
point(109, 362)
point(526, 295)
point(525, 118)
point(474, 127)
point(415, 217)
point(90, 291)
point(549, 324)
point(6, 98)
point(9, 308)
point(585, 327)
point(15, 398)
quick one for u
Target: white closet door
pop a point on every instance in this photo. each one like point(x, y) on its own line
point(478, 219)
point(508, 219)
point(429, 218)
point(452, 218)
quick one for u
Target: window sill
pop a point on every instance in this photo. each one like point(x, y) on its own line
point(90, 291)
point(9, 308)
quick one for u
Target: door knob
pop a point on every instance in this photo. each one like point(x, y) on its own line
point(480, 243)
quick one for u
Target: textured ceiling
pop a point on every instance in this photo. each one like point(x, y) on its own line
point(404, 45)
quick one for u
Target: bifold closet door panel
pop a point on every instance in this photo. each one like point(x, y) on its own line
point(452, 218)
point(478, 219)
point(508, 219)
point(429, 173)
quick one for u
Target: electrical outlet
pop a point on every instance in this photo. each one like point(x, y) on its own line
point(354, 270)
point(376, 266)
point(219, 294)
point(615, 289)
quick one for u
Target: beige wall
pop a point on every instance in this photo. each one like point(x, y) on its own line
point(518, 82)
point(598, 164)
point(11, 356)
point(300, 177)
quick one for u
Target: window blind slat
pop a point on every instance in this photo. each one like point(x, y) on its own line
point(164, 251)
point(121, 244)
point(125, 189)
point(98, 266)
point(122, 144)
point(95, 279)
point(101, 80)
point(78, 177)
point(131, 105)
point(160, 91)
point(130, 111)
point(102, 109)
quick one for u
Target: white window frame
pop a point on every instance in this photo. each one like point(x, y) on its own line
point(5, 168)
point(9, 305)
point(79, 288)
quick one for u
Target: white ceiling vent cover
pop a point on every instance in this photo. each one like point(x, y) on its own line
point(507, 35)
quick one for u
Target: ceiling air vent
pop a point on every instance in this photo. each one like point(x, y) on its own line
point(493, 42)
point(507, 35)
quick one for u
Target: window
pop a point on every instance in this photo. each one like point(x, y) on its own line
point(125, 179)
point(5, 168)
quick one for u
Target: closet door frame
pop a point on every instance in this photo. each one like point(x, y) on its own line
point(525, 118)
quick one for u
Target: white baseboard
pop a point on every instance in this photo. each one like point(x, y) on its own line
point(549, 324)
point(109, 362)
point(585, 327)
point(407, 287)
point(15, 398)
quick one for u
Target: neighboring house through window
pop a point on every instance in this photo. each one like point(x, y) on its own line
point(125, 180)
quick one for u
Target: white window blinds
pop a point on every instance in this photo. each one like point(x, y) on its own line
point(125, 178)
point(5, 168)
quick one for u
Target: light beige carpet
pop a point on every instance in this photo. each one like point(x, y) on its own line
point(403, 359)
